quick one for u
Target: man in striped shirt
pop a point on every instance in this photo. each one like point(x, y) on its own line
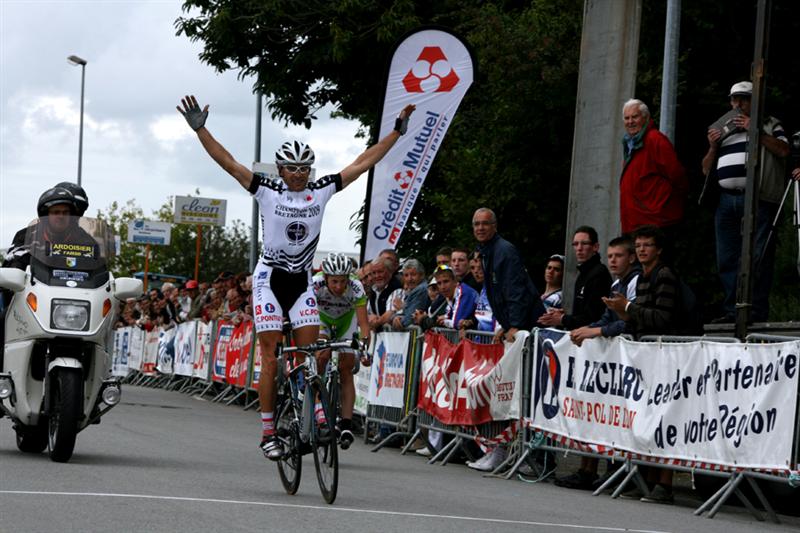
point(727, 155)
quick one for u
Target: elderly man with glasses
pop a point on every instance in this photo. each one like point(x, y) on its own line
point(512, 295)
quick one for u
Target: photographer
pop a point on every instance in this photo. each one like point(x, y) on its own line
point(728, 140)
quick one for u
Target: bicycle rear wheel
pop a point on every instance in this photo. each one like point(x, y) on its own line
point(326, 452)
point(290, 465)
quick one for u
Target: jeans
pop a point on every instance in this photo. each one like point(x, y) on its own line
point(728, 228)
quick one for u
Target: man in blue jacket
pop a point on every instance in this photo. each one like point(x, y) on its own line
point(512, 295)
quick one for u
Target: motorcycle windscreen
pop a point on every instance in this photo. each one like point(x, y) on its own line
point(70, 251)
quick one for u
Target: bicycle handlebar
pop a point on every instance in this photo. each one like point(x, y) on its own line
point(354, 344)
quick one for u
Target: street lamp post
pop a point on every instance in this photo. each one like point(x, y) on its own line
point(75, 60)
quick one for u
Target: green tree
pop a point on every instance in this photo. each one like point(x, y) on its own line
point(222, 247)
point(510, 144)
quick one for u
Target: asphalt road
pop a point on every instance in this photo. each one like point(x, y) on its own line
point(164, 461)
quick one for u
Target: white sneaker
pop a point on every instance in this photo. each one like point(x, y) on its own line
point(424, 452)
point(490, 461)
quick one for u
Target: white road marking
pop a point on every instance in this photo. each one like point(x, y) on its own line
point(328, 509)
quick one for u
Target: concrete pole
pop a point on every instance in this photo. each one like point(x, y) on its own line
point(669, 77)
point(607, 78)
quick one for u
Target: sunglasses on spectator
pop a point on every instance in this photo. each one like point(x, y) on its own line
point(297, 169)
point(443, 268)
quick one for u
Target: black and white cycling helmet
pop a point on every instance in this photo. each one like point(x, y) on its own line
point(294, 153)
point(81, 198)
point(55, 196)
point(337, 265)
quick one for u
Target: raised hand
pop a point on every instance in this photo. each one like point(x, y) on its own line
point(195, 117)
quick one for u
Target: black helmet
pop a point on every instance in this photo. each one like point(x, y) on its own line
point(55, 196)
point(81, 198)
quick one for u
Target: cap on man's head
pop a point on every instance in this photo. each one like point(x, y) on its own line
point(191, 284)
point(743, 88)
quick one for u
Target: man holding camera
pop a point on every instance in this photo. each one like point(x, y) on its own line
point(727, 155)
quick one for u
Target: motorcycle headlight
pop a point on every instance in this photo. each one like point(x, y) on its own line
point(70, 314)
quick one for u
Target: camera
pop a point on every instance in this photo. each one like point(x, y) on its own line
point(795, 144)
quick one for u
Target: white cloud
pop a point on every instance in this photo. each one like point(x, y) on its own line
point(168, 130)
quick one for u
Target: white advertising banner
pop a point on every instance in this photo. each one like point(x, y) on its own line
point(703, 402)
point(185, 342)
point(166, 351)
point(361, 382)
point(149, 232)
point(388, 374)
point(150, 354)
point(431, 69)
point(202, 350)
point(194, 210)
point(136, 349)
point(119, 360)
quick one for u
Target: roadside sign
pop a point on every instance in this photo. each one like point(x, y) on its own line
point(149, 232)
point(194, 210)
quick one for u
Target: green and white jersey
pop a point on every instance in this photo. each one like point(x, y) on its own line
point(338, 312)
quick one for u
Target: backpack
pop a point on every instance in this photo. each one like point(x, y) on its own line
point(689, 315)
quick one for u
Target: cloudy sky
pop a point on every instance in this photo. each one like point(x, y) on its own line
point(135, 145)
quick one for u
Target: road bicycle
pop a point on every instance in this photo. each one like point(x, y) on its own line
point(300, 386)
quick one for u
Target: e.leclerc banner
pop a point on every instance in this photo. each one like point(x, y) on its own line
point(432, 69)
point(699, 402)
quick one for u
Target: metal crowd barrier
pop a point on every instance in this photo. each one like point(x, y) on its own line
point(410, 422)
point(629, 472)
point(403, 420)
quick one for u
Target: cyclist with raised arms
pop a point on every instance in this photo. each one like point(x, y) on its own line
point(291, 217)
point(342, 304)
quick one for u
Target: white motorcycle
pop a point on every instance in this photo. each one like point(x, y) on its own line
point(55, 369)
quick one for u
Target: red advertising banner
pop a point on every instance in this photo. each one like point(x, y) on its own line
point(452, 380)
point(238, 354)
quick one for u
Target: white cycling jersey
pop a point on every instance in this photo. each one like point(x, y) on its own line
point(291, 221)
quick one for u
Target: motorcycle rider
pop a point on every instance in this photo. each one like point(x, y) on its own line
point(17, 253)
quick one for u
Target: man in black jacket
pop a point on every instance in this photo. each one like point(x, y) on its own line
point(592, 285)
point(512, 295)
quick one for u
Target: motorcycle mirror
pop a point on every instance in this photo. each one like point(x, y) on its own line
point(12, 279)
point(125, 288)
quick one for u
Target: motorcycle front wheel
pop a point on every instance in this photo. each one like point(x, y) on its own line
point(66, 411)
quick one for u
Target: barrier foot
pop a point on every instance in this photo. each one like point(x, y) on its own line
point(510, 459)
point(206, 389)
point(386, 440)
point(441, 453)
point(609, 482)
point(236, 396)
point(633, 474)
point(764, 502)
point(734, 483)
point(222, 394)
point(251, 404)
point(750, 507)
point(453, 450)
point(524, 455)
point(709, 502)
point(417, 434)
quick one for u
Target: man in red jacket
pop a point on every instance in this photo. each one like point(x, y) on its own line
point(653, 186)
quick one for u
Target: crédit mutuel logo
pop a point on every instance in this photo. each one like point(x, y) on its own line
point(431, 73)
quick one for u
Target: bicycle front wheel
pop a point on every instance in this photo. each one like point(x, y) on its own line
point(290, 465)
point(326, 456)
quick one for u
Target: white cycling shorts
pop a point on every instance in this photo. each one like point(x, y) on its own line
point(278, 294)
